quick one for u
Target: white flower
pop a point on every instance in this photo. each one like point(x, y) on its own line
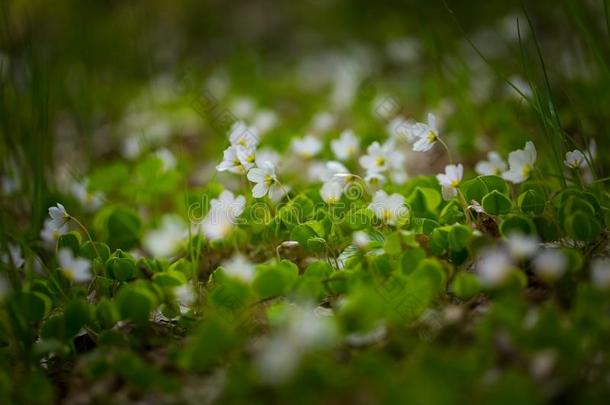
point(222, 216)
point(185, 295)
point(522, 246)
point(550, 264)
point(493, 267)
point(381, 158)
point(76, 268)
point(237, 159)
point(575, 160)
point(241, 135)
point(266, 154)
point(322, 121)
point(388, 208)
point(399, 176)
point(264, 121)
point(91, 201)
point(266, 182)
point(494, 165)
point(246, 156)
point(375, 160)
point(49, 233)
point(167, 158)
point(521, 162)
point(301, 330)
point(327, 171)
point(239, 267)
point(230, 161)
point(59, 216)
point(426, 135)
point(346, 146)
point(400, 128)
point(450, 180)
point(14, 256)
point(167, 239)
point(361, 239)
point(600, 273)
point(243, 107)
point(375, 180)
point(331, 192)
point(306, 147)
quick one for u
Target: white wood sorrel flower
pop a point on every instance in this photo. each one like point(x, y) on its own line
point(237, 159)
point(521, 162)
point(450, 180)
point(306, 147)
point(388, 208)
point(221, 218)
point(76, 268)
point(59, 216)
point(426, 135)
point(575, 159)
point(346, 146)
point(266, 182)
point(331, 191)
point(380, 158)
point(242, 135)
point(494, 165)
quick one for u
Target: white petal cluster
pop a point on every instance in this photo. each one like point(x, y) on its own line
point(266, 182)
point(75, 268)
point(521, 162)
point(494, 165)
point(239, 267)
point(166, 240)
point(575, 159)
point(347, 146)
point(388, 208)
point(451, 180)
point(306, 147)
point(223, 214)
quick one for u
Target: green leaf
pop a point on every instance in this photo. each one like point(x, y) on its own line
point(411, 259)
point(122, 228)
point(424, 199)
point(106, 314)
point(70, 240)
point(531, 202)
point(496, 203)
point(459, 237)
point(33, 305)
point(582, 226)
point(474, 189)
point(302, 233)
point(169, 279)
point(517, 223)
point(275, 279)
point(496, 183)
point(135, 304)
point(90, 250)
point(77, 314)
point(465, 285)
point(121, 268)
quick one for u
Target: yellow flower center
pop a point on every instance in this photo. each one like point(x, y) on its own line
point(380, 161)
point(431, 137)
point(269, 180)
point(455, 183)
point(527, 169)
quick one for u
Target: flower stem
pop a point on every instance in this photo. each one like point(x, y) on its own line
point(446, 150)
point(88, 235)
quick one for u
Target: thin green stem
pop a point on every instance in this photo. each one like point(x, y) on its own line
point(88, 235)
point(446, 150)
